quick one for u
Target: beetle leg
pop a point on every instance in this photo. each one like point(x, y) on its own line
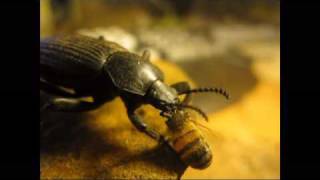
point(137, 121)
point(71, 105)
point(182, 87)
point(143, 127)
point(52, 89)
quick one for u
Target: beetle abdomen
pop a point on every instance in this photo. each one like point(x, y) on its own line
point(74, 59)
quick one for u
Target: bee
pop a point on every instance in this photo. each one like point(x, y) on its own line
point(186, 139)
point(183, 133)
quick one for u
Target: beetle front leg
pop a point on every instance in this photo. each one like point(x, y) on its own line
point(143, 127)
point(181, 88)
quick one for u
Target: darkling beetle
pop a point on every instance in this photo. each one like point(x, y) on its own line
point(77, 66)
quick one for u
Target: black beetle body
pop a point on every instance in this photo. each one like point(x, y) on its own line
point(102, 70)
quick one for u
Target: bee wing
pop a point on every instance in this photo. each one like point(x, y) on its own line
point(202, 126)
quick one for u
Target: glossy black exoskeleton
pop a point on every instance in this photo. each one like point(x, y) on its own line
point(77, 66)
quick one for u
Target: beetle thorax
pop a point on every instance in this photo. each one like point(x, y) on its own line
point(132, 74)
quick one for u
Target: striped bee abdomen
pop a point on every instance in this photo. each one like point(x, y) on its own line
point(193, 149)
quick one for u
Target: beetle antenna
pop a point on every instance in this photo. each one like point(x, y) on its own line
point(220, 91)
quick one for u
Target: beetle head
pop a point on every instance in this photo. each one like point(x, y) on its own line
point(160, 94)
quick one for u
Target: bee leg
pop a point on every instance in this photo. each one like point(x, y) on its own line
point(181, 88)
point(70, 105)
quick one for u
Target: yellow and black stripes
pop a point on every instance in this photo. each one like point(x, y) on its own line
point(193, 149)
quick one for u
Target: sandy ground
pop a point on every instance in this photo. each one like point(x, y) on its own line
point(104, 144)
point(246, 135)
point(245, 138)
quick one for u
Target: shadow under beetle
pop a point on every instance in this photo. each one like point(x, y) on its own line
point(103, 70)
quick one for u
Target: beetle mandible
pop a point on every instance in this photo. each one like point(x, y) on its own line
point(103, 70)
